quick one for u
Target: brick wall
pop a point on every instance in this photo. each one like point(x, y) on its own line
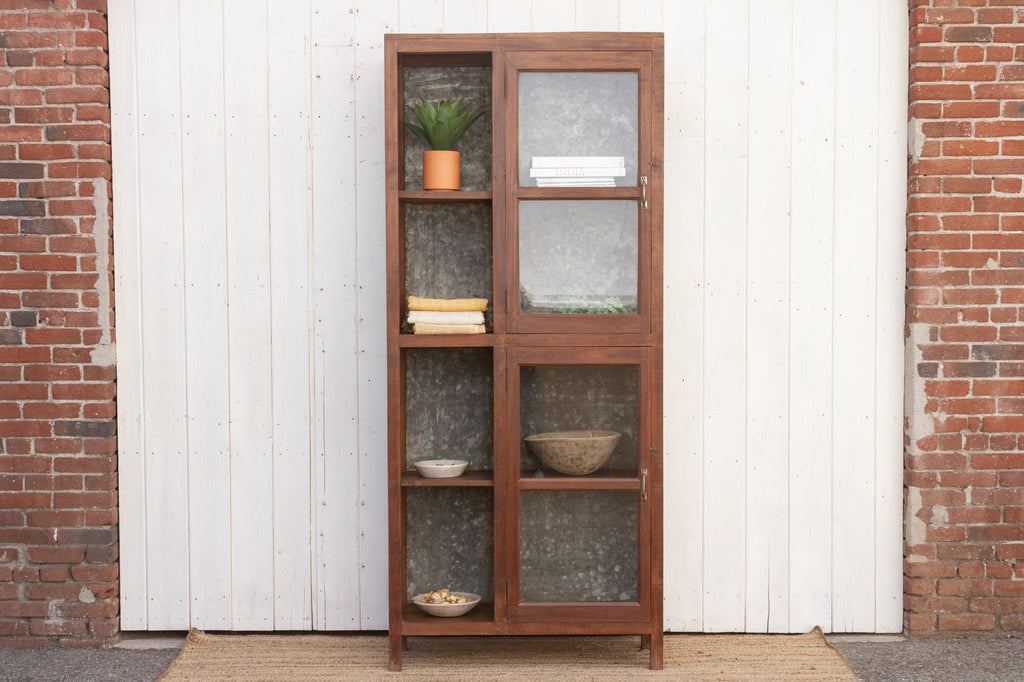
point(58, 505)
point(964, 570)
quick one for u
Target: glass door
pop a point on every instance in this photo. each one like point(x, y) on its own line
point(580, 508)
point(578, 139)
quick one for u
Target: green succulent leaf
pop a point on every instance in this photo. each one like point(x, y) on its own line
point(442, 123)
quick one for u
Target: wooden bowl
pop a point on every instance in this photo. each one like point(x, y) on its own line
point(577, 453)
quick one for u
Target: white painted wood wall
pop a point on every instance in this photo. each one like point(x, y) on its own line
point(249, 254)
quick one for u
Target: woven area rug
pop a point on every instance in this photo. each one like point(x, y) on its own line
point(364, 657)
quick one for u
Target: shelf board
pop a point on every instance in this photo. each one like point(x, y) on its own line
point(473, 478)
point(442, 196)
point(611, 479)
point(445, 340)
point(584, 193)
point(479, 621)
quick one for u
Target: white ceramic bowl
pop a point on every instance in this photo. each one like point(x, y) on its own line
point(447, 610)
point(441, 468)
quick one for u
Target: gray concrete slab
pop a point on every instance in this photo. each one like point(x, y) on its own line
point(974, 659)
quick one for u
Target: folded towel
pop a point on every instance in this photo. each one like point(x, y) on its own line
point(434, 317)
point(447, 305)
point(426, 328)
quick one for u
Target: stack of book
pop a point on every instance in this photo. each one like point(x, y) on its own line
point(577, 171)
point(447, 315)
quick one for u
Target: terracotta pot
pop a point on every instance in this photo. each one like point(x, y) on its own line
point(440, 169)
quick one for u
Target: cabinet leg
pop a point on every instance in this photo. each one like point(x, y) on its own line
point(656, 641)
point(405, 643)
point(395, 645)
point(645, 641)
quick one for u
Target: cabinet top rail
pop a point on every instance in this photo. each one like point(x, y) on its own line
point(486, 43)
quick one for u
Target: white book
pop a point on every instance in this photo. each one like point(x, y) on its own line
point(596, 172)
point(579, 161)
point(575, 182)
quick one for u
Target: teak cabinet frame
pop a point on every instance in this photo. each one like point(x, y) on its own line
point(516, 339)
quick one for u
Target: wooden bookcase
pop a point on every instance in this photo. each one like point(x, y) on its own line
point(573, 277)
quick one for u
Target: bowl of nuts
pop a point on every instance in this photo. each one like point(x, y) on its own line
point(445, 603)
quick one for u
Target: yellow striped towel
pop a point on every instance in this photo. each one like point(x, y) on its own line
point(448, 305)
point(426, 328)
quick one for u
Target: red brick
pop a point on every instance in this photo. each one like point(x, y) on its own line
point(1001, 460)
point(970, 53)
point(970, 109)
point(57, 627)
point(954, 622)
point(56, 555)
point(970, 147)
point(77, 95)
point(964, 588)
point(968, 185)
point(934, 604)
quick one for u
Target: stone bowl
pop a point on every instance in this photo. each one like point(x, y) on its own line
point(441, 468)
point(447, 610)
point(577, 453)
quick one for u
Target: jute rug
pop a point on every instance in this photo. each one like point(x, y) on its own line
point(565, 659)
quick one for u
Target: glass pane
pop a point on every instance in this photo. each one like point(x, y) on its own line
point(579, 114)
point(450, 543)
point(578, 257)
point(578, 546)
point(569, 398)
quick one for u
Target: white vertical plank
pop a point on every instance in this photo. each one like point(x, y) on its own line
point(375, 19)
point(335, 350)
point(552, 15)
point(465, 16)
point(854, 315)
point(290, 302)
point(768, 282)
point(725, 332)
point(412, 16)
point(889, 304)
point(249, 367)
point(205, 329)
point(654, 15)
point(597, 15)
point(508, 16)
point(810, 376)
point(684, 306)
point(131, 461)
point(160, 216)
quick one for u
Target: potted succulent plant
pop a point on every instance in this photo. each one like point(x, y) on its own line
point(441, 124)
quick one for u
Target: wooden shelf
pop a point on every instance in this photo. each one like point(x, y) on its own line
point(445, 340)
point(612, 479)
point(469, 479)
point(622, 193)
point(441, 196)
point(479, 621)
